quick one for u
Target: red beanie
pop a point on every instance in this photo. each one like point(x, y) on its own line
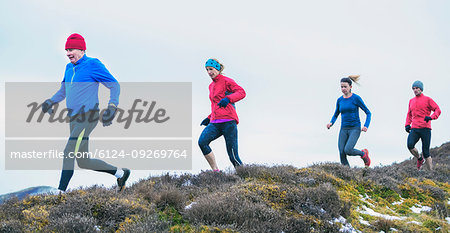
point(75, 41)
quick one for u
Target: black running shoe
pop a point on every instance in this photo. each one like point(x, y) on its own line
point(121, 181)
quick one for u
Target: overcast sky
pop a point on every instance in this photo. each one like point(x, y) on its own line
point(289, 57)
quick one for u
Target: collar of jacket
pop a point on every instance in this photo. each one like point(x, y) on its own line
point(217, 78)
point(82, 59)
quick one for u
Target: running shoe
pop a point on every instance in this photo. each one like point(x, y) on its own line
point(420, 163)
point(121, 181)
point(365, 157)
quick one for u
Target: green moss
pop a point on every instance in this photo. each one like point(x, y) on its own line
point(413, 194)
point(403, 210)
point(368, 217)
point(361, 189)
point(172, 215)
point(384, 193)
point(431, 224)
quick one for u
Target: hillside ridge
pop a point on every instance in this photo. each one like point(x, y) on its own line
point(325, 197)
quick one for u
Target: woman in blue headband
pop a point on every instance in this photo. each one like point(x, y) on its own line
point(223, 120)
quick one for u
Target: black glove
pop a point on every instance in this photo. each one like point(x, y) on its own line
point(428, 118)
point(47, 106)
point(108, 115)
point(408, 128)
point(224, 102)
point(205, 122)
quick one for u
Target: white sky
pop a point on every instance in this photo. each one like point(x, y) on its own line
point(289, 56)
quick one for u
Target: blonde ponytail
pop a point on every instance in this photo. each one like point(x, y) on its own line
point(354, 78)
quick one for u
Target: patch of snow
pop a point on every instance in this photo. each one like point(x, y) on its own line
point(366, 199)
point(346, 227)
point(54, 192)
point(387, 207)
point(419, 209)
point(398, 202)
point(340, 219)
point(371, 212)
point(448, 220)
point(362, 221)
point(190, 205)
point(322, 211)
point(393, 229)
point(187, 183)
point(415, 222)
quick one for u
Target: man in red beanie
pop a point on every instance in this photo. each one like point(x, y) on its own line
point(80, 89)
point(75, 47)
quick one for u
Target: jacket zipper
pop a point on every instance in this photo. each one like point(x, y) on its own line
point(72, 75)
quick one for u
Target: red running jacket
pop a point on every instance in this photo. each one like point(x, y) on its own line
point(420, 107)
point(217, 89)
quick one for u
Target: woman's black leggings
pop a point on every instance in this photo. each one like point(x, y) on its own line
point(229, 131)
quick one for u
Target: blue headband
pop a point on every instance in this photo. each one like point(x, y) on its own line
point(212, 63)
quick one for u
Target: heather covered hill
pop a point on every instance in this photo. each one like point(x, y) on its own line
point(324, 197)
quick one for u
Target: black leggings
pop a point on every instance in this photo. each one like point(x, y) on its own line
point(80, 128)
point(229, 131)
point(425, 135)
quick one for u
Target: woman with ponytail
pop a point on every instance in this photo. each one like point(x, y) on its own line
point(348, 106)
point(223, 120)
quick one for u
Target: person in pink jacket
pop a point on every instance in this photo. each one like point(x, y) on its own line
point(223, 120)
point(418, 124)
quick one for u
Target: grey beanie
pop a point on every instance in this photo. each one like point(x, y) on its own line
point(418, 84)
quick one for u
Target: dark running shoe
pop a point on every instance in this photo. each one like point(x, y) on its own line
point(121, 181)
point(420, 163)
point(365, 157)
